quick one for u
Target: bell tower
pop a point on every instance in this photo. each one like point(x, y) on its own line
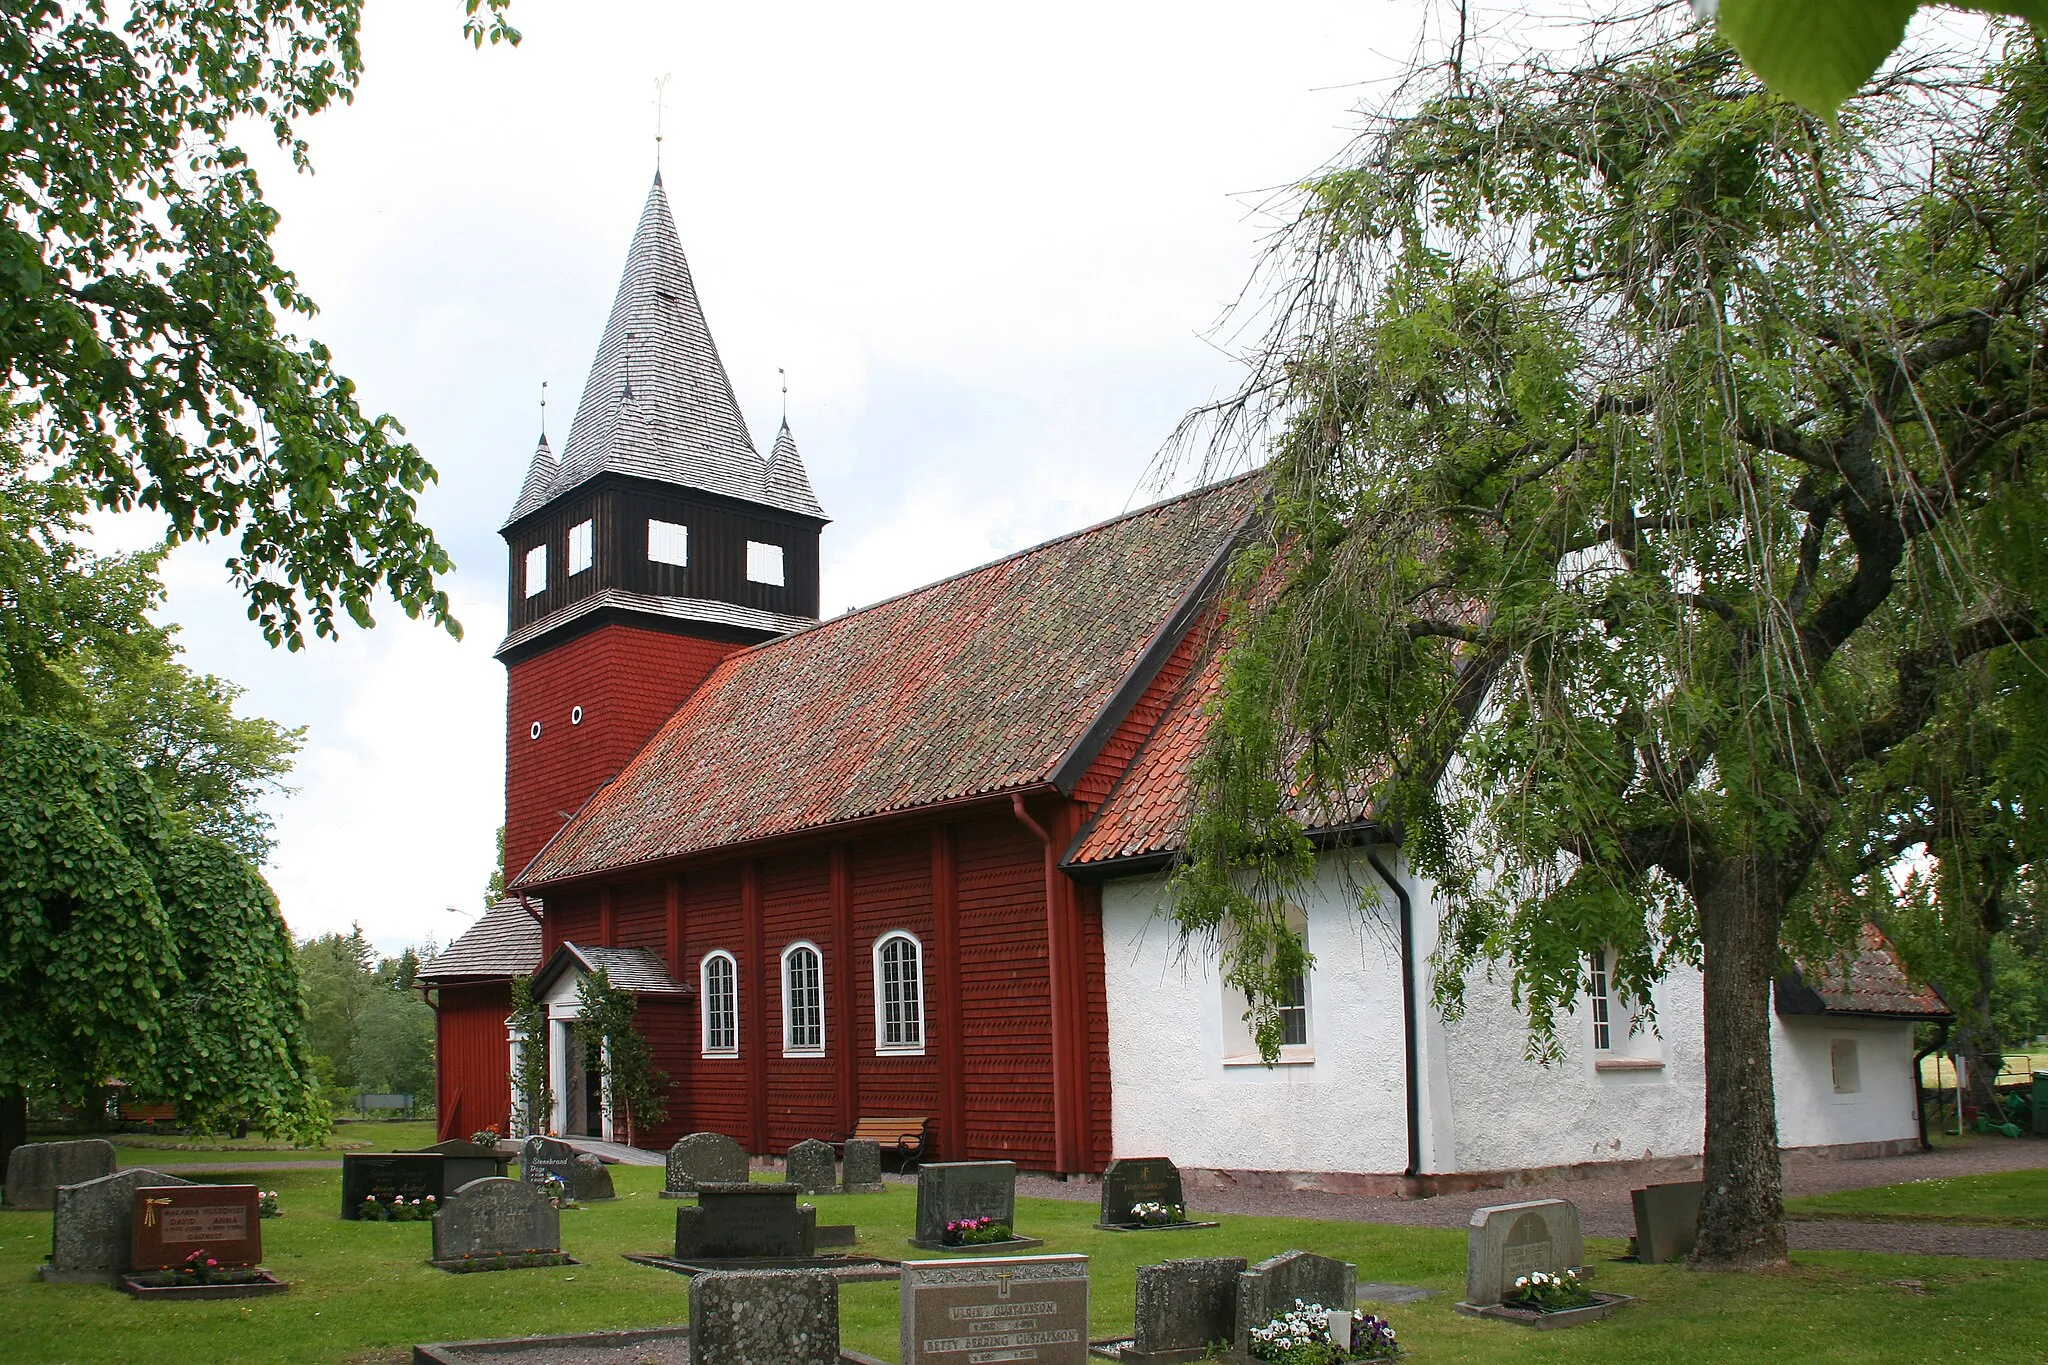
point(657, 544)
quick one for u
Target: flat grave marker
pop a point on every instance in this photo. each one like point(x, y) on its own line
point(1010, 1308)
point(35, 1170)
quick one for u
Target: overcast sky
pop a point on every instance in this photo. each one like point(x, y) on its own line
point(989, 246)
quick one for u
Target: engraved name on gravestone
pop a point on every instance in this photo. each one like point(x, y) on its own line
point(753, 1317)
point(948, 1191)
point(750, 1221)
point(388, 1175)
point(1013, 1308)
point(173, 1222)
point(540, 1158)
point(495, 1216)
point(1667, 1220)
point(703, 1158)
point(1508, 1241)
point(861, 1167)
point(36, 1169)
point(1184, 1305)
point(1271, 1287)
point(810, 1167)
point(92, 1227)
point(1137, 1180)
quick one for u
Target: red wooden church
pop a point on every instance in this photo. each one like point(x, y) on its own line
point(827, 856)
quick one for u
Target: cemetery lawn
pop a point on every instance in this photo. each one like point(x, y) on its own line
point(139, 1149)
point(361, 1292)
point(2006, 1199)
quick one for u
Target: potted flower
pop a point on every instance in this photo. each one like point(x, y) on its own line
point(1154, 1215)
point(975, 1232)
point(1304, 1335)
point(485, 1137)
point(267, 1205)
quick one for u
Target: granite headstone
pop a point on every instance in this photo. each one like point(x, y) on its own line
point(93, 1227)
point(1667, 1220)
point(703, 1158)
point(1009, 1308)
point(810, 1167)
point(385, 1176)
point(1270, 1288)
point(1138, 1180)
point(745, 1222)
point(36, 1169)
point(590, 1179)
point(860, 1167)
point(495, 1216)
point(764, 1317)
point(948, 1191)
point(1508, 1241)
point(463, 1161)
point(1183, 1306)
point(172, 1222)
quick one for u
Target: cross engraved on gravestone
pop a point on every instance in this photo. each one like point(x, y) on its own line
point(171, 1222)
point(36, 1169)
point(91, 1230)
point(1020, 1308)
point(1508, 1241)
point(1527, 1250)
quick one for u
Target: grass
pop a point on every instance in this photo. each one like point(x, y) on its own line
point(2009, 1199)
point(362, 1294)
point(372, 1136)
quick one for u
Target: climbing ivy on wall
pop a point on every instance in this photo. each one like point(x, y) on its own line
point(637, 1087)
point(529, 1022)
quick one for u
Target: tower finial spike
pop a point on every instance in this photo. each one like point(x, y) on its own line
point(785, 393)
point(543, 411)
point(660, 107)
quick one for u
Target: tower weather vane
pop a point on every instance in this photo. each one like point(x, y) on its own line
point(660, 107)
point(543, 409)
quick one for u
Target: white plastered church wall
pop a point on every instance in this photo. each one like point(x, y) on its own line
point(1812, 1112)
point(1174, 1094)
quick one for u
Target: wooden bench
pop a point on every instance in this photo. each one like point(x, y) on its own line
point(149, 1115)
point(902, 1137)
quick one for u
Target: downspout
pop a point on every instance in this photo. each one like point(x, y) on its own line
point(1920, 1089)
point(1409, 1178)
point(1056, 989)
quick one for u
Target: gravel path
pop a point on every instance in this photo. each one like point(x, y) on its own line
point(1605, 1209)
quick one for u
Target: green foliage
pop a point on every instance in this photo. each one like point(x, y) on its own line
point(339, 974)
point(529, 1022)
point(637, 1088)
point(393, 1046)
point(1820, 52)
point(140, 298)
point(369, 1029)
point(494, 889)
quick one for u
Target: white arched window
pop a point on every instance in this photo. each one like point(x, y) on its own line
point(803, 1001)
point(721, 997)
point(899, 994)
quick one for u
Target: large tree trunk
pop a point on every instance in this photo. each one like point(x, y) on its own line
point(13, 1124)
point(1742, 1214)
point(1978, 1041)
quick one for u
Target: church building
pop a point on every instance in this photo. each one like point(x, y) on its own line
point(911, 860)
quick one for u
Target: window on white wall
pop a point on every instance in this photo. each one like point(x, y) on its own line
point(668, 542)
point(899, 994)
point(721, 996)
point(579, 548)
point(536, 570)
point(1842, 1062)
point(1600, 1002)
point(803, 1001)
point(1240, 1037)
point(764, 563)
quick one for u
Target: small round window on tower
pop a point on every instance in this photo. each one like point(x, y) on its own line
point(534, 733)
point(575, 715)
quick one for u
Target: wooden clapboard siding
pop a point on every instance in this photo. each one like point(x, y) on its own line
point(1006, 1028)
point(891, 889)
point(798, 1095)
point(472, 1088)
point(713, 1093)
point(640, 917)
point(571, 919)
point(670, 1027)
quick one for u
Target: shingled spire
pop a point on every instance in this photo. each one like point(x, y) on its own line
point(785, 483)
point(658, 404)
point(541, 477)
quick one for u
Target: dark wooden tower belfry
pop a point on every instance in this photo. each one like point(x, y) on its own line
point(656, 545)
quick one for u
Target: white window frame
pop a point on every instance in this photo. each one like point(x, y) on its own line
point(1600, 999)
point(883, 1047)
point(763, 560)
point(706, 1000)
point(1240, 1048)
point(582, 549)
point(668, 545)
point(792, 1046)
point(1617, 1045)
point(1841, 1046)
point(537, 571)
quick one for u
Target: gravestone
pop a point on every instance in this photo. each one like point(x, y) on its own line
point(746, 1222)
point(1183, 1306)
point(948, 1191)
point(860, 1167)
point(1667, 1220)
point(93, 1227)
point(703, 1158)
point(495, 1216)
point(1508, 1241)
point(1137, 1180)
point(1007, 1308)
point(171, 1222)
point(1271, 1287)
point(582, 1174)
point(388, 1175)
point(463, 1161)
point(810, 1167)
point(754, 1317)
point(36, 1169)
point(589, 1179)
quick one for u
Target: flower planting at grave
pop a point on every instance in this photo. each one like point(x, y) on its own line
point(1302, 1336)
point(485, 1137)
point(502, 1260)
point(1155, 1215)
point(398, 1209)
point(557, 1191)
point(199, 1270)
point(267, 1205)
point(976, 1232)
point(1542, 1292)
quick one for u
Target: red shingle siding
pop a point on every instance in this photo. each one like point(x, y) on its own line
point(472, 1088)
point(640, 918)
point(628, 681)
point(795, 905)
point(891, 888)
point(1003, 999)
point(669, 1026)
point(713, 1089)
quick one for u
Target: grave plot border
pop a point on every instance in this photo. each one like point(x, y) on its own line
point(1154, 1227)
point(518, 1348)
point(131, 1284)
point(1124, 1351)
point(1603, 1305)
point(978, 1248)
point(850, 1269)
point(468, 1265)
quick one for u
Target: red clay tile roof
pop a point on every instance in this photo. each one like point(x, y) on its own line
point(1868, 981)
point(982, 683)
